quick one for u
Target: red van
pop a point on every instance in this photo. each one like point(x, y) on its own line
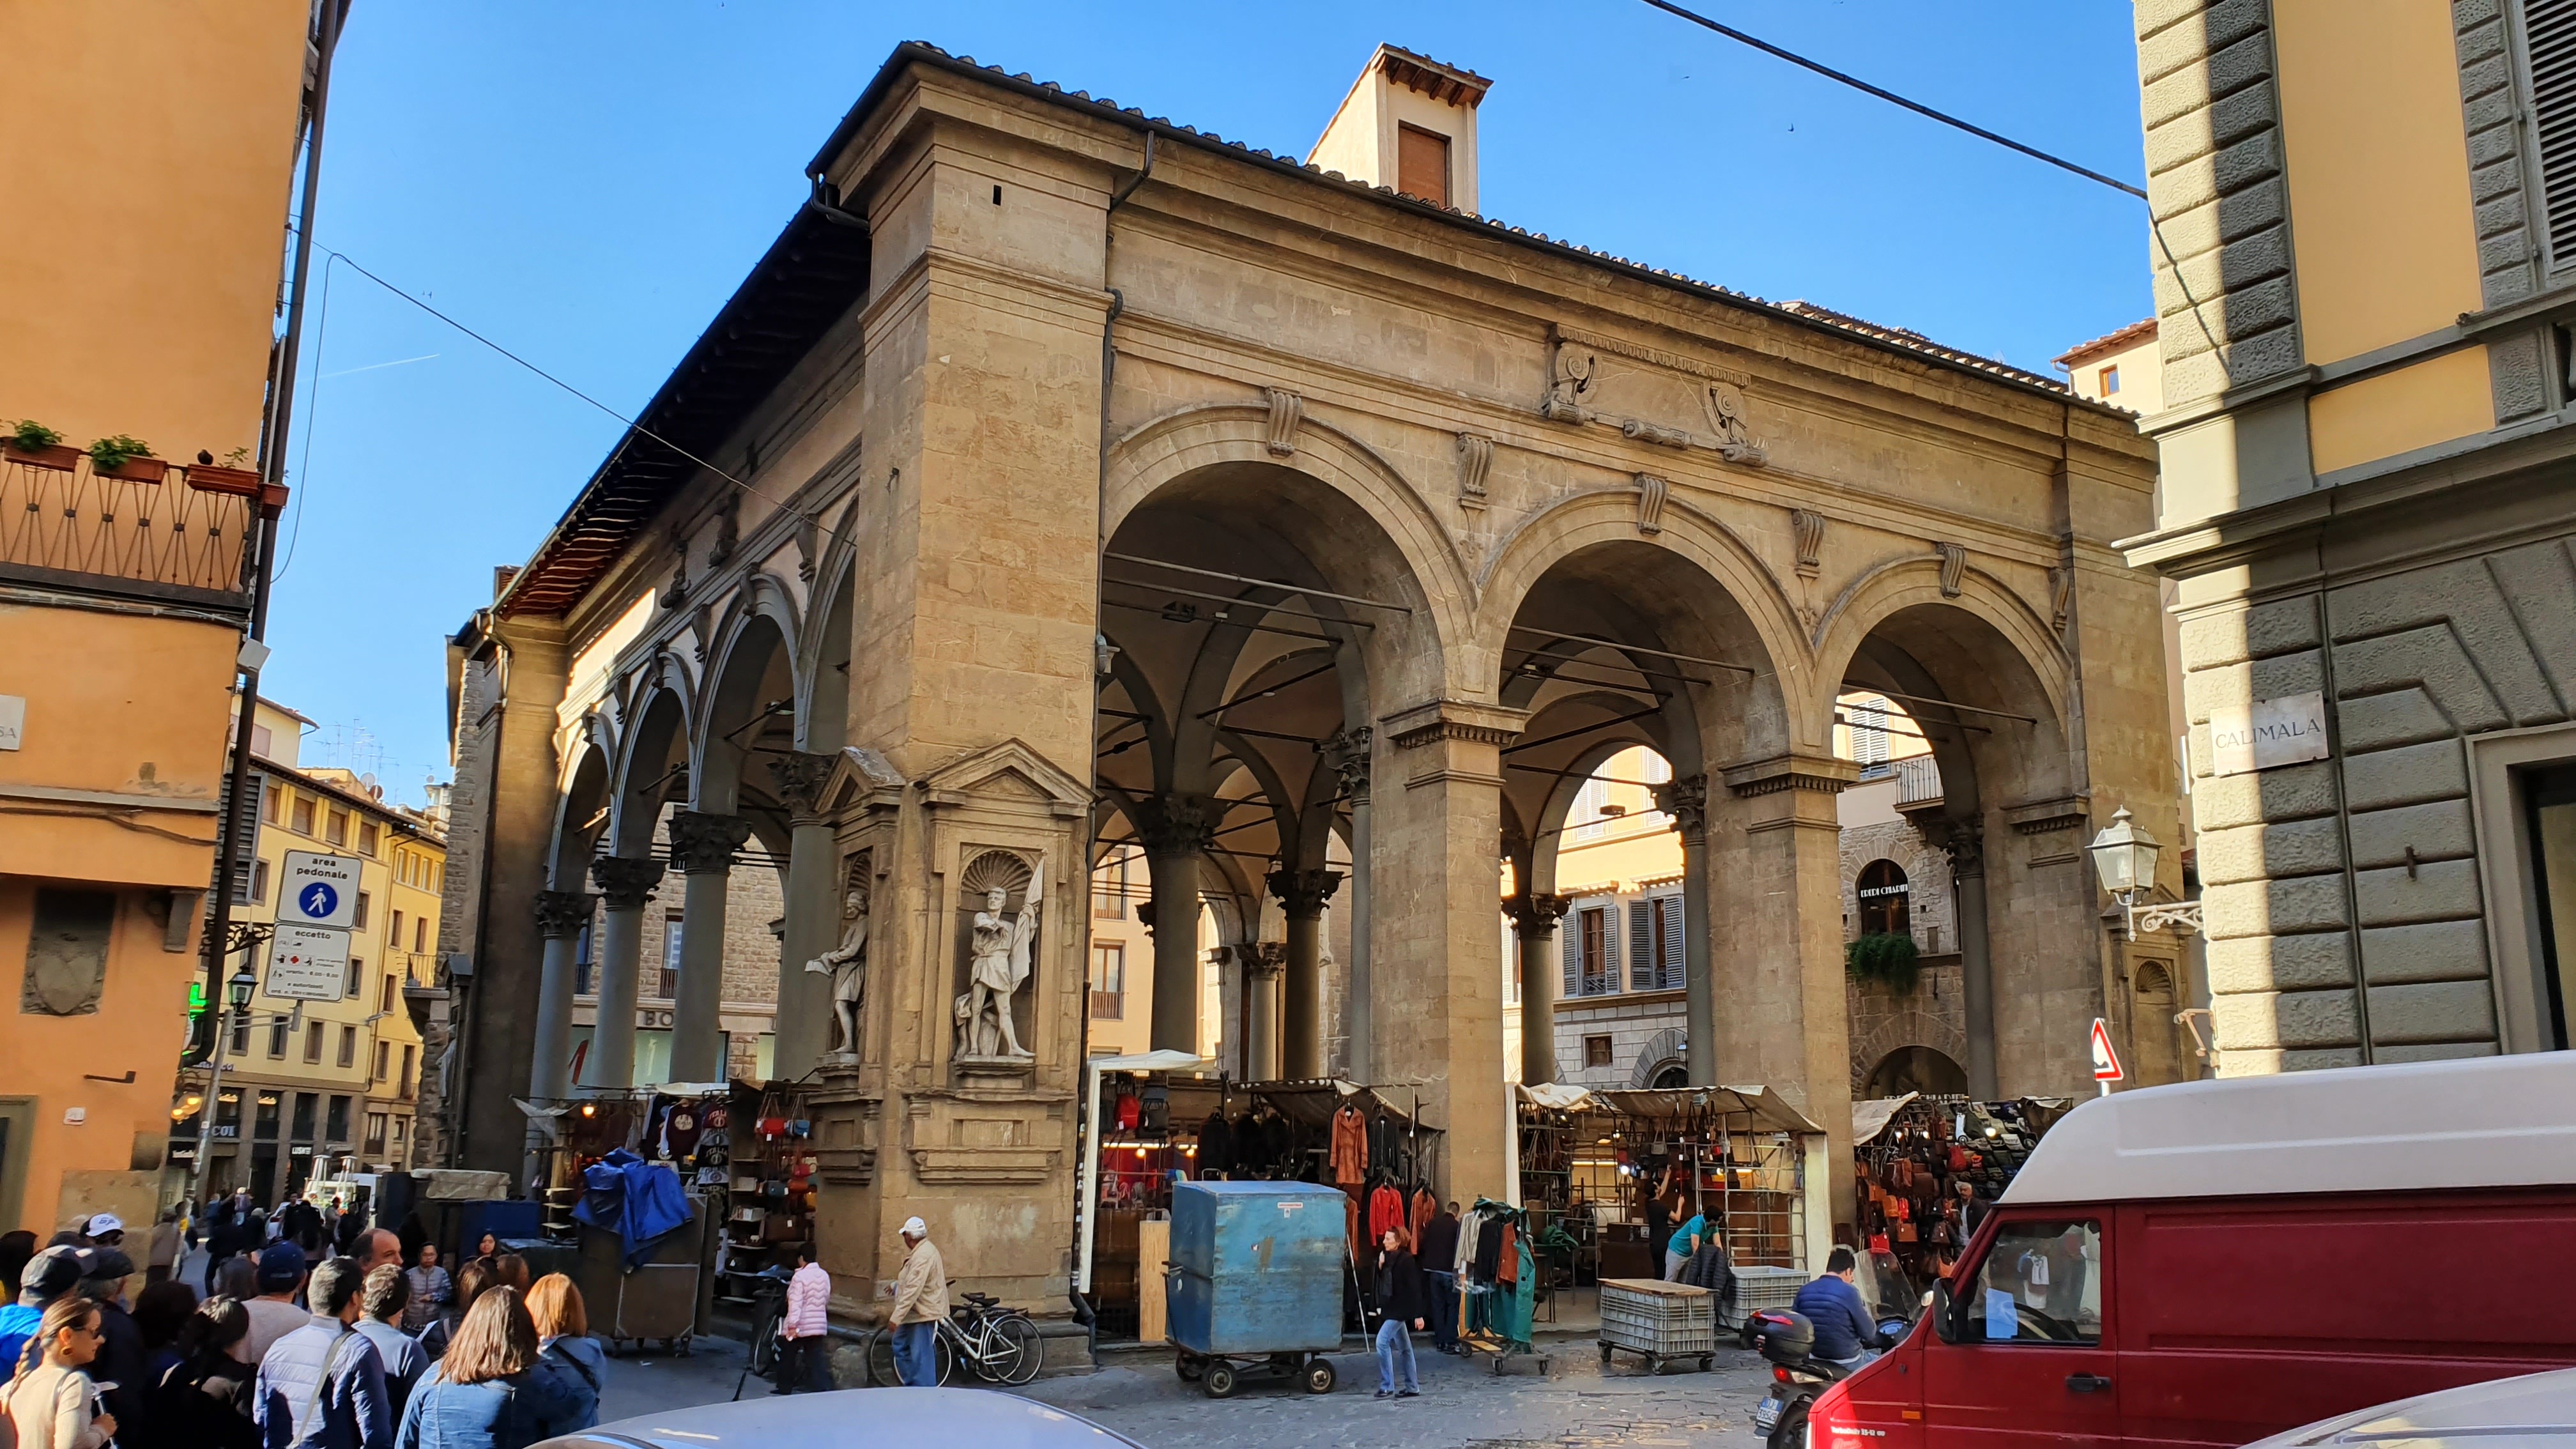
point(2211, 1263)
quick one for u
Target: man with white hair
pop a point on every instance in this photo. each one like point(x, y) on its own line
point(920, 1301)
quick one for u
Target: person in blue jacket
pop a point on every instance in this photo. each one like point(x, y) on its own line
point(1844, 1333)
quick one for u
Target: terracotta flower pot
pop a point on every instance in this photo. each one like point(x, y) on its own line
point(138, 470)
point(61, 456)
point(239, 482)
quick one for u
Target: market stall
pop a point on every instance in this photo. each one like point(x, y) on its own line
point(1928, 1168)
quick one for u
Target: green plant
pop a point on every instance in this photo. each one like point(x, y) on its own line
point(30, 436)
point(1887, 957)
point(237, 458)
point(111, 453)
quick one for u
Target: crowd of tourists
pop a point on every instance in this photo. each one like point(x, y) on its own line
point(314, 1331)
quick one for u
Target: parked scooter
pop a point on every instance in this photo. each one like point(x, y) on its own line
point(1798, 1377)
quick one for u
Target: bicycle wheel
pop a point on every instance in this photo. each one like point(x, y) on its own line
point(947, 1357)
point(1018, 1352)
point(881, 1370)
point(764, 1346)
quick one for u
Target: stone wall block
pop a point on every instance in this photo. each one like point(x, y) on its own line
point(2387, 1054)
point(2438, 830)
point(2174, 33)
point(2538, 579)
point(2433, 1011)
point(2427, 951)
point(2280, 627)
point(2406, 776)
point(2400, 717)
point(2280, 963)
point(2441, 891)
point(2291, 1019)
point(2274, 907)
point(2429, 656)
point(2178, 93)
point(2302, 847)
point(2239, 685)
point(2292, 792)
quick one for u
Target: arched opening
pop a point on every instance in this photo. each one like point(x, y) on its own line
point(1885, 899)
point(1915, 1069)
point(1670, 1075)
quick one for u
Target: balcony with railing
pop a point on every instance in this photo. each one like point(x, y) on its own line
point(1918, 781)
point(144, 529)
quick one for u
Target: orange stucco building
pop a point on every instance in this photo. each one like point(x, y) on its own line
point(151, 158)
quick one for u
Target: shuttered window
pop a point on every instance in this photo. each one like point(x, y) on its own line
point(2550, 36)
point(1592, 961)
point(1675, 964)
point(1641, 946)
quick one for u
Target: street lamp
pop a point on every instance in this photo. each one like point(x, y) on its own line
point(238, 991)
point(2125, 858)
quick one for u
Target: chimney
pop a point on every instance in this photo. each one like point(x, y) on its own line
point(1409, 123)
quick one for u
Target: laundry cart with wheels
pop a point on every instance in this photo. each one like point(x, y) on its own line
point(1254, 1285)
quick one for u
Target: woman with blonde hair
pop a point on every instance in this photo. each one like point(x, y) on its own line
point(485, 1394)
point(53, 1405)
point(565, 1350)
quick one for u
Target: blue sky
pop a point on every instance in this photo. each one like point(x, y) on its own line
point(586, 182)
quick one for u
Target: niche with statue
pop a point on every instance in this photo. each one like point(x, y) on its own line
point(1000, 906)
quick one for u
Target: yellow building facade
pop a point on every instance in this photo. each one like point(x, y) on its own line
point(151, 149)
point(315, 1085)
point(2364, 252)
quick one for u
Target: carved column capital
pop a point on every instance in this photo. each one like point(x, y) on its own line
point(1964, 841)
point(1685, 798)
point(563, 913)
point(1174, 824)
point(1302, 893)
point(1536, 914)
point(703, 843)
point(1262, 958)
point(1347, 751)
point(800, 778)
point(626, 882)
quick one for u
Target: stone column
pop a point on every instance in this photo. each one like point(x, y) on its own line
point(627, 887)
point(1965, 843)
point(1686, 801)
point(1348, 752)
point(1173, 829)
point(560, 917)
point(1263, 962)
point(1778, 959)
point(1439, 968)
point(1302, 894)
point(814, 891)
point(1534, 920)
point(702, 846)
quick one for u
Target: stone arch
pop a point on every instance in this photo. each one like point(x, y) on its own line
point(1870, 600)
point(1664, 1050)
point(759, 644)
point(658, 739)
point(585, 790)
point(1911, 1027)
point(1531, 552)
point(823, 656)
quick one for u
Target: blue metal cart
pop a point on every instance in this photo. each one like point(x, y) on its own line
point(1254, 1284)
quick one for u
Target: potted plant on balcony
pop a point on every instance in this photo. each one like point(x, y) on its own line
point(207, 476)
point(120, 456)
point(1886, 957)
point(36, 445)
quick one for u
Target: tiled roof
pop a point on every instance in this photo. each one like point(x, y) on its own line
point(2120, 341)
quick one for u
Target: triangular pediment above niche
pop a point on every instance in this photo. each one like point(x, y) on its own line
point(1010, 771)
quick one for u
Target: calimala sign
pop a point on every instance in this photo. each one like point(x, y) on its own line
point(2271, 732)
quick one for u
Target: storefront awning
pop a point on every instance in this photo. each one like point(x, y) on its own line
point(1758, 1109)
point(1871, 1118)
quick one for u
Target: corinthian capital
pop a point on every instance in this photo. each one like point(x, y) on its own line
point(626, 882)
point(1174, 824)
point(1302, 893)
point(1537, 914)
point(702, 843)
point(1347, 751)
point(563, 913)
point(1686, 800)
point(800, 778)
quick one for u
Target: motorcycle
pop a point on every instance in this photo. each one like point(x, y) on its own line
point(1788, 1340)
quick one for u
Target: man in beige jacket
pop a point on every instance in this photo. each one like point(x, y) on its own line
point(920, 1301)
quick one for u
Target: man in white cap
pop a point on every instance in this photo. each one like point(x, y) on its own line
point(920, 1301)
point(104, 1230)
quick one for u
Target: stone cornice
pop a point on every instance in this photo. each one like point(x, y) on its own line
point(1824, 774)
point(2040, 817)
point(1461, 720)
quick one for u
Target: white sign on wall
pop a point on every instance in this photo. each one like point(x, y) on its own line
point(13, 720)
point(308, 963)
point(2271, 732)
point(318, 890)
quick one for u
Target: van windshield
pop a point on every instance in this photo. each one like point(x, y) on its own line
point(2041, 1282)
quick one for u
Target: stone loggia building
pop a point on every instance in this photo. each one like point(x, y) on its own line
point(1065, 479)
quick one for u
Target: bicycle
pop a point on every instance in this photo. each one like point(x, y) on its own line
point(769, 1315)
point(1000, 1344)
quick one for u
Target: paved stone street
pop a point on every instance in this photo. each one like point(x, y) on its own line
point(1463, 1406)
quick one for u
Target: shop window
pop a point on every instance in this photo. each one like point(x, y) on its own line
point(2041, 1283)
point(1596, 1051)
point(264, 1117)
point(367, 837)
point(1885, 900)
point(1108, 982)
point(302, 815)
point(313, 1043)
point(1422, 164)
point(348, 1046)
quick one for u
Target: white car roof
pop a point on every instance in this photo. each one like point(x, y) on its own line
point(2535, 1410)
point(2486, 1122)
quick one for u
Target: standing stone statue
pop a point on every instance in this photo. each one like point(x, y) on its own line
point(847, 965)
point(998, 968)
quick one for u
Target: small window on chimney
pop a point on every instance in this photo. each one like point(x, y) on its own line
point(2110, 380)
point(1422, 164)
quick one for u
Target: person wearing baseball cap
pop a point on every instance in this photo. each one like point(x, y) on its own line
point(120, 1351)
point(48, 1277)
point(920, 1301)
point(104, 1230)
point(273, 1314)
